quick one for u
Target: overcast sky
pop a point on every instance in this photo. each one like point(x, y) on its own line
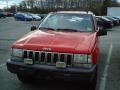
point(3, 3)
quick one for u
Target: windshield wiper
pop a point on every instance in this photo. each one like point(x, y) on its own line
point(68, 30)
point(46, 28)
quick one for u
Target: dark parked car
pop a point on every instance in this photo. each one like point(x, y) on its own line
point(104, 23)
point(115, 21)
point(23, 17)
point(117, 17)
point(2, 15)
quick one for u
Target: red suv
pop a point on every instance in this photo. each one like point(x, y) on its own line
point(64, 45)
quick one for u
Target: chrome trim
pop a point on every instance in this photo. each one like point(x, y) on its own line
point(59, 55)
point(66, 58)
point(46, 54)
point(33, 56)
point(39, 59)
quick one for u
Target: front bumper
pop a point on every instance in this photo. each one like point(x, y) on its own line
point(82, 74)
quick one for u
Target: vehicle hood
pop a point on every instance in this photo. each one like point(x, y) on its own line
point(64, 42)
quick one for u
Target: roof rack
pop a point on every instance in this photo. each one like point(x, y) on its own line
point(79, 12)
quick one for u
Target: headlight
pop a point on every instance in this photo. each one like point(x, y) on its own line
point(17, 55)
point(82, 60)
point(17, 52)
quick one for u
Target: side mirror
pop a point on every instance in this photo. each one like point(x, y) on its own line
point(33, 28)
point(102, 32)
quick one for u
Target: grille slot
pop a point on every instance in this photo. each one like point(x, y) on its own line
point(30, 54)
point(55, 58)
point(36, 58)
point(69, 60)
point(25, 54)
point(62, 57)
point(49, 58)
point(41, 57)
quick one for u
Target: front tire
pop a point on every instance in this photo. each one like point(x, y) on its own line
point(93, 83)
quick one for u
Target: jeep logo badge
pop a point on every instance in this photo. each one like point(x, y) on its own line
point(47, 49)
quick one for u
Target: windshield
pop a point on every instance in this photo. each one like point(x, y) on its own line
point(110, 18)
point(68, 22)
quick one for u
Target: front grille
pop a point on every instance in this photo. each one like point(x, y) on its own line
point(41, 57)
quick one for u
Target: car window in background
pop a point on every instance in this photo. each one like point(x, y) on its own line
point(105, 19)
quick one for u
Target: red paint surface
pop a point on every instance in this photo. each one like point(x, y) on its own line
point(64, 42)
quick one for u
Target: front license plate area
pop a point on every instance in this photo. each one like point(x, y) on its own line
point(60, 65)
point(28, 61)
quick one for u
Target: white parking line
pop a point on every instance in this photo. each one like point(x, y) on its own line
point(105, 72)
point(1, 65)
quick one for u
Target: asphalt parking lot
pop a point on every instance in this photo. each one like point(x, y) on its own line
point(109, 60)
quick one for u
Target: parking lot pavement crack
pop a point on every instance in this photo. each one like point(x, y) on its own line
point(5, 39)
